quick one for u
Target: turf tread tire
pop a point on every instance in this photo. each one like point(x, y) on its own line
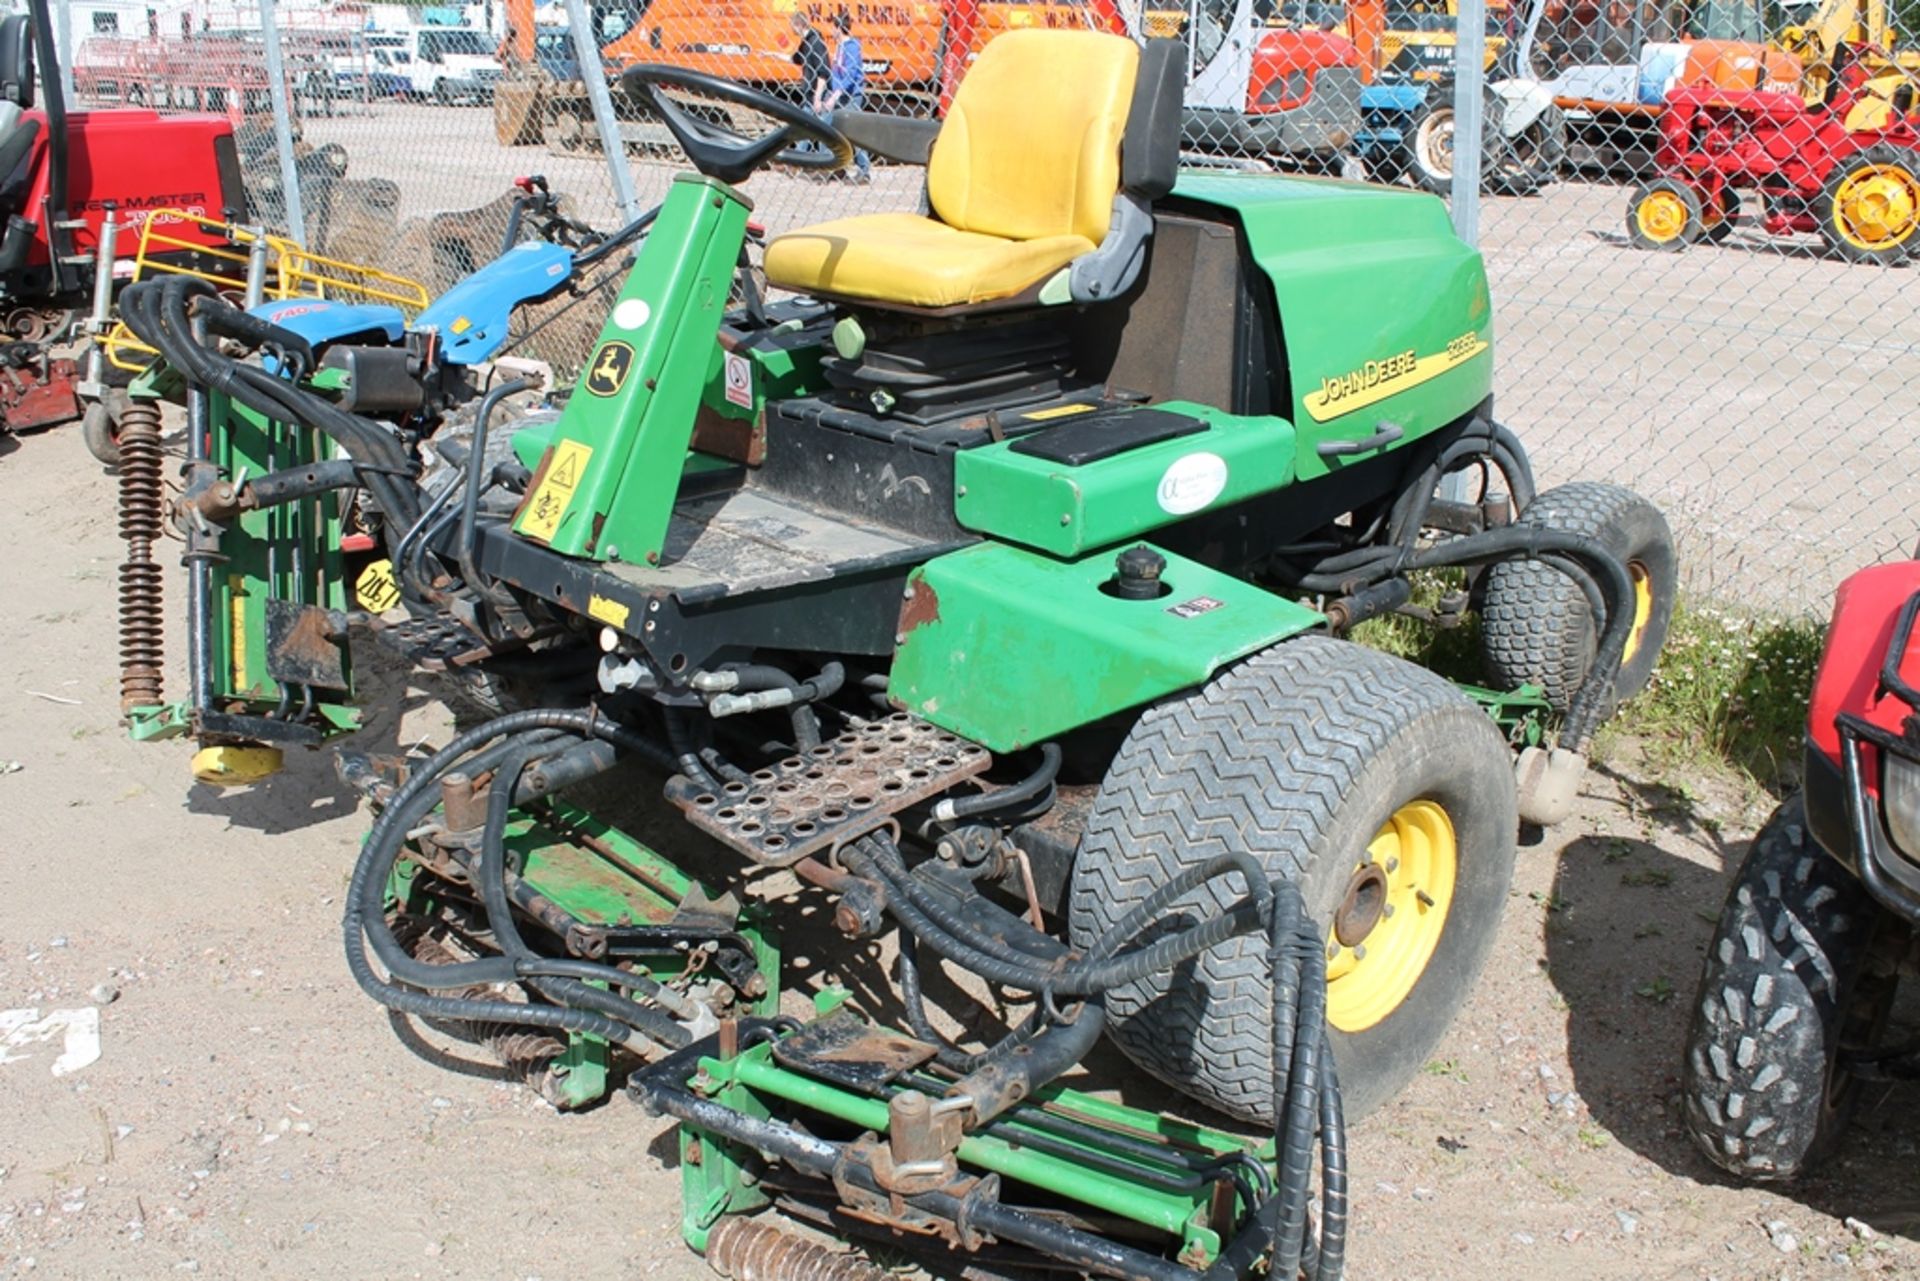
point(1536, 626)
point(1778, 981)
point(1295, 755)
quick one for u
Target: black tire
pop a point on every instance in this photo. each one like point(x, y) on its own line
point(1726, 219)
point(1531, 160)
point(1297, 755)
point(1785, 988)
point(1664, 216)
point(1852, 223)
point(101, 434)
point(442, 95)
point(1536, 624)
point(1428, 148)
point(1428, 145)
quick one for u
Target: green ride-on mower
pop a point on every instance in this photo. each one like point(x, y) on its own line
point(992, 580)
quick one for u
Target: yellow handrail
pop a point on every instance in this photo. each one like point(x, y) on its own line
point(296, 273)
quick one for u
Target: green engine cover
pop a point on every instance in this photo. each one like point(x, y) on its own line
point(1008, 647)
point(1384, 312)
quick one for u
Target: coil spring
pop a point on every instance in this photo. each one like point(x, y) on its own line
point(749, 1250)
point(522, 1051)
point(142, 500)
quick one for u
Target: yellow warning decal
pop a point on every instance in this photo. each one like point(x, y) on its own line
point(376, 590)
point(559, 475)
point(1058, 411)
point(1390, 375)
point(610, 612)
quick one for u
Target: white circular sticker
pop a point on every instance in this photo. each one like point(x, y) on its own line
point(632, 313)
point(1191, 483)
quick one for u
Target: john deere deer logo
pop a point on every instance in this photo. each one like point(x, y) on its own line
point(610, 366)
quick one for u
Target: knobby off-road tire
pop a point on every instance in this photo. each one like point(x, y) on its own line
point(1784, 988)
point(1300, 755)
point(1536, 625)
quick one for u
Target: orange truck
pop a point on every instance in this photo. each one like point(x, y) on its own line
point(914, 50)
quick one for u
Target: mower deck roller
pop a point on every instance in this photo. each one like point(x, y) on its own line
point(994, 585)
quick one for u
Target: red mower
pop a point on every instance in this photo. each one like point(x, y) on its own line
point(1818, 929)
point(1858, 188)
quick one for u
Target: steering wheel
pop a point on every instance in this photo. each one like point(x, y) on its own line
point(722, 152)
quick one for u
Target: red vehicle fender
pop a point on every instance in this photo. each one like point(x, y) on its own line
point(1848, 678)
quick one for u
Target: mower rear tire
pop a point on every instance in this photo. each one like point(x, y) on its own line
point(101, 432)
point(1536, 624)
point(1869, 209)
point(1785, 990)
point(1371, 783)
point(1664, 215)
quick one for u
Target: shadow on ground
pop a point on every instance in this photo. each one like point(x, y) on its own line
point(1627, 930)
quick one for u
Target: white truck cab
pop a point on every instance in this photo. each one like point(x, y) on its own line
point(446, 64)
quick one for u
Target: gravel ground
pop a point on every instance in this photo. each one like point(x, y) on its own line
point(251, 1114)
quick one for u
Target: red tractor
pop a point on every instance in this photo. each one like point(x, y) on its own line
point(1858, 189)
point(1818, 929)
point(60, 175)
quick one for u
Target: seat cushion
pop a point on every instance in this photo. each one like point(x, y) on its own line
point(914, 261)
point(1031, 143)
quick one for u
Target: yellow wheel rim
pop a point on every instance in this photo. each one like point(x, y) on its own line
point(1392, 916)
point(1877, 207)
point(1661, 216)
point(1642, 609)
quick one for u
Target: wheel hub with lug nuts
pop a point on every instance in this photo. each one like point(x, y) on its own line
point(1391, 916)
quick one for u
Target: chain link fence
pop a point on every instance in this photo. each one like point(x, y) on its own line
point(1694, 214)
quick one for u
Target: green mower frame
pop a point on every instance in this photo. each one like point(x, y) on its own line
point(979, 624)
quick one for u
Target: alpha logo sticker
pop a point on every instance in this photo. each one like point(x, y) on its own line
point(611, 364)
point(1191, 483)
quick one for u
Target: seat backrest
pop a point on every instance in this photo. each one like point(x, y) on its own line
point(1031, 143)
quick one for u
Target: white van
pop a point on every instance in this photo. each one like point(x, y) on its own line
point(446, 64)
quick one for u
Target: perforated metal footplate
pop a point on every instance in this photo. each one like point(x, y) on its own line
point(840, 790)
point(433, 644)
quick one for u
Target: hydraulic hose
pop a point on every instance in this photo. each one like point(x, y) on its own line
point(476, 468)
point(1601, 569)
point(158, 313)
point(1007, 797)
point(1306, 1098)
point(563, 990)
point(363, 923)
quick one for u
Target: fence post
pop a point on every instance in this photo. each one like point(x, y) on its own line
point(586, 47)
point(283, 123)
point(1469, 82)
point(63, 41)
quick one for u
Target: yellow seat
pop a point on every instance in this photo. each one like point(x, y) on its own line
point(904, 258)
point(1021, 180)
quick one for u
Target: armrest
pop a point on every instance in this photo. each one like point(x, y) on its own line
point(898, 138)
